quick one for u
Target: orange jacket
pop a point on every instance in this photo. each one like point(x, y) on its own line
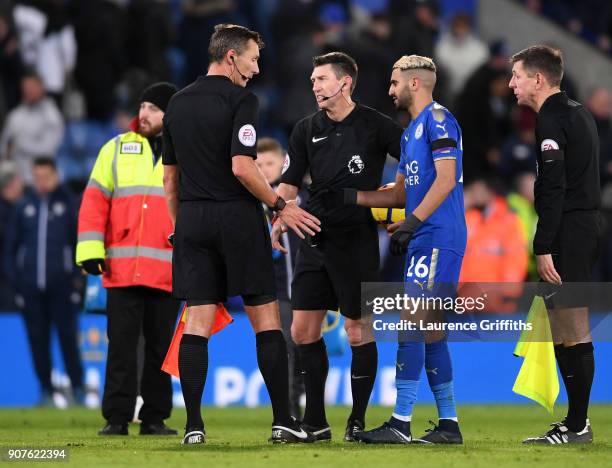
point(496, 252)
point(124, 216)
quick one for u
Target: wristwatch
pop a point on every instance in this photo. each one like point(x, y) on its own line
point(279, 204)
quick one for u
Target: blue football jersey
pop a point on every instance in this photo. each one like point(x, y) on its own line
point(434, 135)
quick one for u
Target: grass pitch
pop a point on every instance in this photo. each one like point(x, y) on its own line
point(237, 437)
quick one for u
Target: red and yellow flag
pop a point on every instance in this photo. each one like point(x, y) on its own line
point(170, 365)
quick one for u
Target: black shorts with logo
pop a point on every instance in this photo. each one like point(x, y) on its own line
point(221, 249)
point(329, 276)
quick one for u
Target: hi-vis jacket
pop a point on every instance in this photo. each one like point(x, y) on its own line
point(124, 218)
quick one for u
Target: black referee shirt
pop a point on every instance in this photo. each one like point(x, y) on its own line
point(567, 149)
point(205, 125)
point(347, 154)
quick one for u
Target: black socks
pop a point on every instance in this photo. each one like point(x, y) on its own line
point(578, 379)
point(363, 374)
point(315, 365)
point(193, 365)
point(577, 366)
point(274, 367)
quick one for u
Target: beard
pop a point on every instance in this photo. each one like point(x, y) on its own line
point(149, 130)
point(404, 100)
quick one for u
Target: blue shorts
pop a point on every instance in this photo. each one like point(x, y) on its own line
point(432, 272)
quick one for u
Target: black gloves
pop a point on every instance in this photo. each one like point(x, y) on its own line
point(401, 238)
point(94, 266)
point(332, 198)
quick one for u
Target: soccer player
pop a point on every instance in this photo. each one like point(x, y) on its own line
point(429, 184)
point(567, 199)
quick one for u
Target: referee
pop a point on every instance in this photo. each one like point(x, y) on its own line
point(344, 146)
point(221, 245)
point(567, 198)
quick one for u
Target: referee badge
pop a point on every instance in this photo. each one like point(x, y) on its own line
point(549, 145)
point(247, 135)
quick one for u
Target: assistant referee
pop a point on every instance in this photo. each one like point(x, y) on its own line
point(221, 245)
point(566, 243)
point(344, 147)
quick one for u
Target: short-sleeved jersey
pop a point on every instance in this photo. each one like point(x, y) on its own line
point(205, 125)
point(567, 148)
point(346, 154)
point(434, 135)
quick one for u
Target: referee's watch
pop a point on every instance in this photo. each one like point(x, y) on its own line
point(279, 204)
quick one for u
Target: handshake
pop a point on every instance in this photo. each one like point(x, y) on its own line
point(328, 199)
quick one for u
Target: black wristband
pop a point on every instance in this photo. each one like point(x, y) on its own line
point(412, 222)
point(279, 204)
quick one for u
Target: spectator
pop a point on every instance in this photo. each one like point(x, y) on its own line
point(33, 128)
point(460, 52)
point(150, 33)
point(415, 32)
point(518, 150)
point(496, 246)
point(484, 115)
point(373, 51)
point(11, 66)
point(521, 201)
point(11, 190)
point(101, 55)
point(199, 20)
point(38, 253)
point(599, 104)
point(296, 61)
point(57, 50)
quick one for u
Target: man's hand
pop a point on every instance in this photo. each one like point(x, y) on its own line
point(299, 220)
point(401, 237)
point(546, 269)
point(391, 228)
point(275, 235)
point(332, 198)
point(94, 266)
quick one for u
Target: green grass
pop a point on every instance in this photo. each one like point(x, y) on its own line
point(237, 437)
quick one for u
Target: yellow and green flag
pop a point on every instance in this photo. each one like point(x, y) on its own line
point(537, 379)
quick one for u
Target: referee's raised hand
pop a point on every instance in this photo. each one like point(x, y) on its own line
point(299, 220)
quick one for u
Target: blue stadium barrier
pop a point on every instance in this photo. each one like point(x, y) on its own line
point(484, 372)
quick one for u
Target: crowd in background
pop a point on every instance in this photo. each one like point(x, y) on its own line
point(71, 72)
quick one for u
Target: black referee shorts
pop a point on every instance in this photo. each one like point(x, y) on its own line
point(221, 249)
point(329, 276)
point(574, 253)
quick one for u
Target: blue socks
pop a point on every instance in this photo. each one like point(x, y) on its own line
point(410, 360)
point(440, 376)
point(435, 357)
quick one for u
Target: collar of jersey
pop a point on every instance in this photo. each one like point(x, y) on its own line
point(214, 77)
point(557, 97)
point(422, 113)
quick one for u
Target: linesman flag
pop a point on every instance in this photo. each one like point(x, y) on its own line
point(170, 365)
point(537, 379)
